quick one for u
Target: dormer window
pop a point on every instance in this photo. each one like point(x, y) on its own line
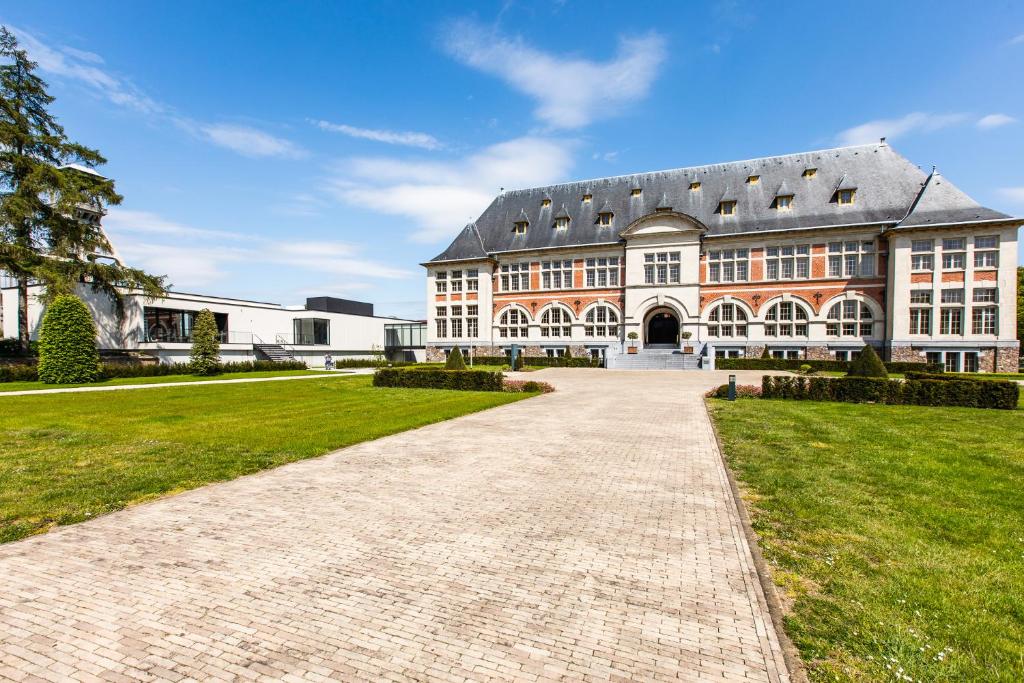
point(810, 172)
point(562, 223)
point(846, 196)
point(784, 202)
point(635, 192)
point(727, 207)
point(694, 187)
point(545, 203)
point(604, 219)
point(587, 198)
point(519, 228)
point(753, 180)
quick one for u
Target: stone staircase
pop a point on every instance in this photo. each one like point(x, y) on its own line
point(654, 359)
point(273, 352)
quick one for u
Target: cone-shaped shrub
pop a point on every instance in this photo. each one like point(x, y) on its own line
point(765, 354)
point(205, 358)
point(67, 343)
point(867, 364)
point(455, 360)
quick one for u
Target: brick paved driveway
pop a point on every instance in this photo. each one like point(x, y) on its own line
point(589, 534)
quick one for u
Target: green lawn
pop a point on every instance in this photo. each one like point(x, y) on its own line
point(68, 457)
point(897, 533)
point(31, 386)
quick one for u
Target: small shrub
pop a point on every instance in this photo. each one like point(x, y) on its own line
point(765, 354)
point(867, 364)
point(438, 378)
point(455, 360)
point(806, 369)
point(19, 373)
point(527, 386)
point(11, 346)
point(742, 391)
point(67, 343)
point(205, 356)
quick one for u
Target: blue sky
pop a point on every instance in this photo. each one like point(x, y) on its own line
point(275, 151)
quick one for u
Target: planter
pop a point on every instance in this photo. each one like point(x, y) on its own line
point(631, 349)
point(687, 349)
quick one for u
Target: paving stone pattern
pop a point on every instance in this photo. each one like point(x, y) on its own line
point(588, 534)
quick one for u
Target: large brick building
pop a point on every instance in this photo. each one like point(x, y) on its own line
point(809, 255)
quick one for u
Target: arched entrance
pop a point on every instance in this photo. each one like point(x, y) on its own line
point(662, 328)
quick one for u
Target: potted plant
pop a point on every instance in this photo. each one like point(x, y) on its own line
point(685, 336)
point(633, 336)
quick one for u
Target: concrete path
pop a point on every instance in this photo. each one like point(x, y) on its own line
point(588, 534)
point(157, 385)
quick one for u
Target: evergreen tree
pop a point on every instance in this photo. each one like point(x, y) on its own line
point(867, 364)
point(67, 343)
point(46, 235)
point(205, 358)
point(765, 354)
point(455, 360)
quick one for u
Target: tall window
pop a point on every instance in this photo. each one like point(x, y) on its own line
point(513, 323)
point(601, 321)
point(602, 272)
point(728, 265)
point(920, 311)
point(984, 320)
point(312, 331)
point(922, 255)
point(786, 319)
point(556, 322)
point(515, 277)
point(727, 320)
point(954, 253)
point(455, 280)
point(456, 328)
point(951, 320)
point(472, 280)
point(986, 252)
point(556, 274)
point(442, 328)
point(852, 258)
point(441, 280)
point(787, 262)
point(849, 318)
point(661, 268)
point(472, 321)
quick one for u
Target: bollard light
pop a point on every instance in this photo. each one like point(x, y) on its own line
point(732, 387)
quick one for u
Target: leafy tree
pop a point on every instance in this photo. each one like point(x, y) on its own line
point(51, 199)
point(205, 358)
point(67, 343)
point(867, 364)
point(455, 360)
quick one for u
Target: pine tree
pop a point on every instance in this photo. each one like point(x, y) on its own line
point(44, 235)
point(67, 343)
point(455, 360)
point(867, 364)
point(205, 358)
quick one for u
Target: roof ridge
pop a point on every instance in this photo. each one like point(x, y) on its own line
point(692, 168)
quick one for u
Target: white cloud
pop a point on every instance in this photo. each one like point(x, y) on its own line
point(570, 92)
point(1016, 40)
point(391, 137)
point(441, 197)
point(80, 66)
point(250, 142)
point(893, 128)
point(127, 221)
point(1014, 194)
point(995, 121)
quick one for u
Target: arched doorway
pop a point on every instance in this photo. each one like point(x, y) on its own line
point(662, 328)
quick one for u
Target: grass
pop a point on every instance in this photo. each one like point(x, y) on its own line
point(896, 533)
point(162, 379)
point(68, 457)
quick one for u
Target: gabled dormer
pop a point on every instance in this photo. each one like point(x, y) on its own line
point(605, 215)
point(783, 200)
point(846, 191)
point(561, 219)
point(521, 223)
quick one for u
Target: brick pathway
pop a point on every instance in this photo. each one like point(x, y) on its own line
point(589, 534)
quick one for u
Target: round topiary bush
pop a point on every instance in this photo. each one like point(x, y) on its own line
point(205, 357)
point(67, 343)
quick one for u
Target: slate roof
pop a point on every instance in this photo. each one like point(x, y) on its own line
point(890, 190)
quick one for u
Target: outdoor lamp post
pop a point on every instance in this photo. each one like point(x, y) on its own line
point(732, 387)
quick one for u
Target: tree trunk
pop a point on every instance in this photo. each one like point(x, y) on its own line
point(23, 334)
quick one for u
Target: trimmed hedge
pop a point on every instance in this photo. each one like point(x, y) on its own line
point(29, 373)
point(438, 378)
point(370, 363)
point(818, 365)
point(922, 392)
point(542, 361)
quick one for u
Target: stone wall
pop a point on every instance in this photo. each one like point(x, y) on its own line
point(1008, 359)
point(905, 354)
point(817, 353)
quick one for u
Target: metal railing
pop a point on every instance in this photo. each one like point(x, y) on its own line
point(160, 336)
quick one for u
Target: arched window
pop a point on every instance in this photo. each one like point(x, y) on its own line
point(601, 321)
point(513, 323)
point(786, 319)
point(849, 318)
point(556, 322)
point(727, 320)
